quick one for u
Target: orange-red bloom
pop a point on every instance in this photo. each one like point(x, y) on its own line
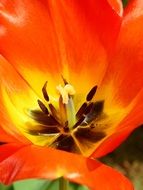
point(71, 83)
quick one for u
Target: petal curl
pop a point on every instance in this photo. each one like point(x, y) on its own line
point(32, 161)
point(126, 66)
point(117, 5)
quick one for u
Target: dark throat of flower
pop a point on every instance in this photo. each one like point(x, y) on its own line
point(71, 130)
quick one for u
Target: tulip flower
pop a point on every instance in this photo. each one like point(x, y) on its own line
point(71, 88)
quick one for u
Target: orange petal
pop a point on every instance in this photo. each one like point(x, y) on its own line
point(37, 162)
point(5, 137)
point(12, 87)
point(8, 150)
point(37, 36)
point(133, 120)
point(126, 75)
point(111, 143)
point(27, 33)
point(126, 68)
point(117, 6)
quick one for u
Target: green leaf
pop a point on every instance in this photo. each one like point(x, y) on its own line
point(125, 2)
point(31, 184)
point(6, 187)
point(37, 184)
point(74, 186)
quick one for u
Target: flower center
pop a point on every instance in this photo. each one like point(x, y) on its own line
point(69, 129)
point(66, 93)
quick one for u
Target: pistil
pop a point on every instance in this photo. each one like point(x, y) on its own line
point(67, 93)
point(70, 109)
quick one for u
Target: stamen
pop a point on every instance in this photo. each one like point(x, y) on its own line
point(88, 109)
point(45, 94)
point(96, 111)
point(53, 111)
point(81, 110)
point(43, 118)
point(43, 107)
point(45, 130)
point(91, 93)
point(79, 122)
point(65, 81)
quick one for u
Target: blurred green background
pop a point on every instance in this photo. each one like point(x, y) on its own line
point(128, 158)
point(125, 2)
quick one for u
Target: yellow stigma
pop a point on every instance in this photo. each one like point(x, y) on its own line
point(65, 91)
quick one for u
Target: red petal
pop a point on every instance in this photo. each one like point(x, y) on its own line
point(133, 120)
point(46, 36)
point(37, 162)
point(5, 137)
point(126, 68)
point(27, 34)
point(126, 74)
point(111, 143)
point(8, 150)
